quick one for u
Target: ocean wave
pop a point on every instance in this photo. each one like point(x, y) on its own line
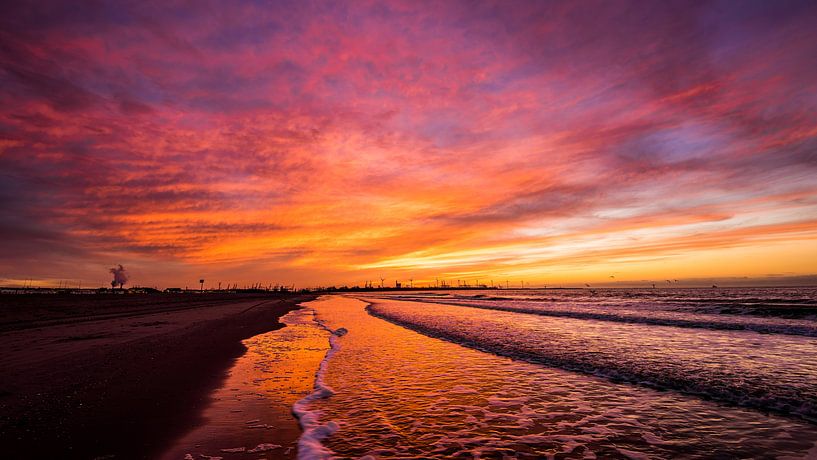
point(793, 303)
point(310, 445)
point(771, 373)
point(643, 316)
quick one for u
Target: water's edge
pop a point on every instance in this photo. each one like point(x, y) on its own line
point(309, 443)
point(757, 403)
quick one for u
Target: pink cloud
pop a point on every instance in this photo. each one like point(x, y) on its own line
point(343, 136)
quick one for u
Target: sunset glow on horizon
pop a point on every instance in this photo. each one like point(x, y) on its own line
point(338, 143)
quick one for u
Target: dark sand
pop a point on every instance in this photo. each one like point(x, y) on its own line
point(118, 376)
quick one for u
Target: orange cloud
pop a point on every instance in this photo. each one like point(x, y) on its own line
point(309, 144)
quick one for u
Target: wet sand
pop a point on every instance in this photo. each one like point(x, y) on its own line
point(251, 413)
point(118, 377)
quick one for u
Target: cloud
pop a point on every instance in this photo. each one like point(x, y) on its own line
point(329, 141)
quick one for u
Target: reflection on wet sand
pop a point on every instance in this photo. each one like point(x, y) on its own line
point(401, 393)
point(251, 412)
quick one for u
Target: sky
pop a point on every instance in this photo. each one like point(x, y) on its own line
point(318, 143)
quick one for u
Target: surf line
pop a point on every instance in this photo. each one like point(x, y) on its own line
point(309, 444)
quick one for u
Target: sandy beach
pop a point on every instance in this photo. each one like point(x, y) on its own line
point(469, 229)
point(118, 376)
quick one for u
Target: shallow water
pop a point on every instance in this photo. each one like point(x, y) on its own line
point(395, 392)
point(772, 372)
point(781, 311)
point(251, 414)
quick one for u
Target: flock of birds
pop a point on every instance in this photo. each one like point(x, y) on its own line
point(670, 282)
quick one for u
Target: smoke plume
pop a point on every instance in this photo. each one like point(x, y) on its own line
point(120, 276)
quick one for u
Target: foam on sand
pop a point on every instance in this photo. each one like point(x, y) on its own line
point(770, 372)
point(401, 394)
point(263, 448)
point(309, 444)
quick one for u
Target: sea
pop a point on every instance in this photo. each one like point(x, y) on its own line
point(720, 373)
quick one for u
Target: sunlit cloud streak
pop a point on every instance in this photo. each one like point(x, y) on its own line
point(329, 143)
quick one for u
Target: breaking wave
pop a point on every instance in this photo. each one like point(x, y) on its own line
point(636, 314)
point(309, 444)
point(763, 371)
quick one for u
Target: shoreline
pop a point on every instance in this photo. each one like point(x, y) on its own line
point(124, 387)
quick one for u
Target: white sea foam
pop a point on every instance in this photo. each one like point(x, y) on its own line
point(772, 372)
point(261, 426)
point(309, 444)
point(408, 395)
point(697, 315)
point(263, 448)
